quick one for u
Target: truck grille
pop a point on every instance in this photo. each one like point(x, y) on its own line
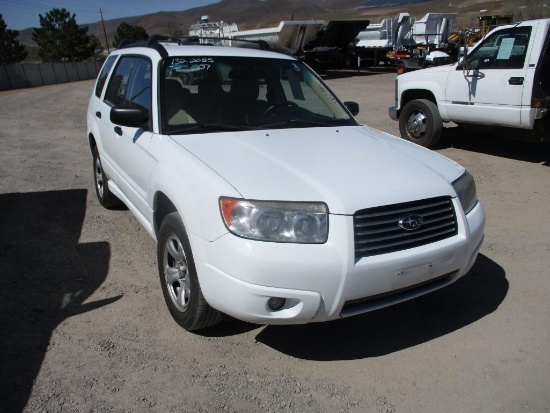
point(377, 230)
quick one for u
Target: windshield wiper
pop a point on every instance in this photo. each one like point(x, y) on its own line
point(209, 127)
point(301, 122)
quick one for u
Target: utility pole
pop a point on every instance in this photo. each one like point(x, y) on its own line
point(105, 32)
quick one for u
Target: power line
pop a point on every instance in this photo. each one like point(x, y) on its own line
point(86, 13)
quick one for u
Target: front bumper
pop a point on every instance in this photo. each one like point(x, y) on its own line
point(324, 282)
point(393, 112)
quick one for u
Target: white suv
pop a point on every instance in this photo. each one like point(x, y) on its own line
point(268, 201)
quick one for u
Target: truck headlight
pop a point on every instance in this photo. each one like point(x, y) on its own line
point(465, 188)
point(276, 221)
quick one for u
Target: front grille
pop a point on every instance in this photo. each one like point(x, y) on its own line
point(377, 230)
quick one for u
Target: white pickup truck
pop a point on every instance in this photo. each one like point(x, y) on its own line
point(503, 84)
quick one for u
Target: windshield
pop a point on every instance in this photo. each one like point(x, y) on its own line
point(204, 94)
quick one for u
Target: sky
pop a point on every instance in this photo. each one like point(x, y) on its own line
point(22, 14)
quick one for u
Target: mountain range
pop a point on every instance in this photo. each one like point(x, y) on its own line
point(253, 14)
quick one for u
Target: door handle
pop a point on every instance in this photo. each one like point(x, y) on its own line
point(515, 81)
point(98, 114)
point(118, 130)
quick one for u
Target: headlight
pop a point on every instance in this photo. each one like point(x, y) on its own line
point(299, 222)
point(465, 188)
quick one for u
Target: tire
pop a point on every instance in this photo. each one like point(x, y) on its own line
point(420, 122)
point(101, 183)
point(348, 60)
point(401, 68)
point(178, 277)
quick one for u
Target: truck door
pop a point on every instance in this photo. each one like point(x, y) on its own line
point(489, 87)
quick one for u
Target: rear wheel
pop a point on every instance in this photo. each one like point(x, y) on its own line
point(104, 195)
point(348, 60)
point(401, 68)
point(178, 277)
point(420, 122)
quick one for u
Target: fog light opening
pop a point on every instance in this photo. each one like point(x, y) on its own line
point(276, 303)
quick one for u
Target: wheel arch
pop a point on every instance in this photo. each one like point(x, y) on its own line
point(413, 94)
point(91, 142)
point(162, 206)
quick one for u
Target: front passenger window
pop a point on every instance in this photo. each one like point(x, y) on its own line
point(118, 85)
point(504, 49)
point(130, 84)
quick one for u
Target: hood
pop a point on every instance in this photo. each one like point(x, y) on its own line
point(348, 168)
point(440, 70)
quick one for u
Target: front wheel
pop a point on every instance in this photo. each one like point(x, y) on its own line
point(178, 277)
point(420, 122)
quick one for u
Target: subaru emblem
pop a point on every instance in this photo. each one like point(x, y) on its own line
point(411, 222)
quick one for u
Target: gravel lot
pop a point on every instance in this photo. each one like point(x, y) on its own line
point(84, 327)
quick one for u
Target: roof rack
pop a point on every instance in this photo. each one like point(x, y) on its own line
point(157, 41)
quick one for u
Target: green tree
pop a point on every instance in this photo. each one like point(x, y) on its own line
point(11, 51)
point(125, 31)
point(61, 39)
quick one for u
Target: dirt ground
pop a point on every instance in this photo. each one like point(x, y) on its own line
point(84, 327)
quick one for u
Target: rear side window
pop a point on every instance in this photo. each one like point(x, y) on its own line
point(102, 78)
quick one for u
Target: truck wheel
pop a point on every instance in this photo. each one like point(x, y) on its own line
point(420, 122)
point(348, 60)
point(401, 68)
point(104, 196)
point(178, 277)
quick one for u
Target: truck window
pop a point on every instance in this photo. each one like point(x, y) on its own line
point(504, 49)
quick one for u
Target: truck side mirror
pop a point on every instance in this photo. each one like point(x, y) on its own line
point(353, 107)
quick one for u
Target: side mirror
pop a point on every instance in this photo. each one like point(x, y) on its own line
point(130, 116)
point(353, 107)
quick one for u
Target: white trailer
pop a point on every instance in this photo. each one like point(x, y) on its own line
point(290, 35)
point(407, 41)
